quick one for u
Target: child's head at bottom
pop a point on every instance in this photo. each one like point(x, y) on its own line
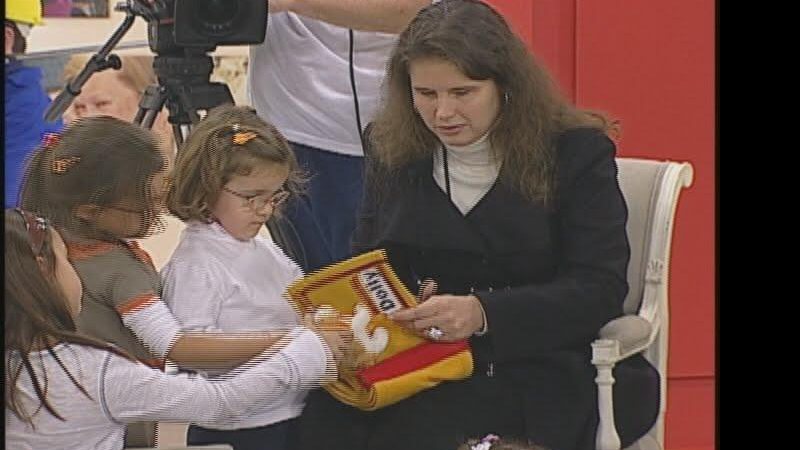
point(101, 178)
point(494, 442)
point(234, 169)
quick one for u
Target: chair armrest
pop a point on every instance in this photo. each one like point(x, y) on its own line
point(632, 332)
point(617, 340)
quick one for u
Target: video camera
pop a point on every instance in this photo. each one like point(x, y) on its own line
point(174, 25)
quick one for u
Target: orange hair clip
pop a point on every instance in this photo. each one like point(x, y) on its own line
point(242, 138)
point(62, 165)
point(50, 140)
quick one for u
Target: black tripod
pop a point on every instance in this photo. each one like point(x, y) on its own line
point(183, 77)
point(185, 89)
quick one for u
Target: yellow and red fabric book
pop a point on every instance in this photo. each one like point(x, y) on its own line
point(403, 363)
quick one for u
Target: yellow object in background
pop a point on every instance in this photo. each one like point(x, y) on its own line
point(24, 11)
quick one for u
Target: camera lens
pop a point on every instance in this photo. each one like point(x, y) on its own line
point(217, 15)
point(208, 23)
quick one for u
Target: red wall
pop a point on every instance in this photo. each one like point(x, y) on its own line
point(651, 65)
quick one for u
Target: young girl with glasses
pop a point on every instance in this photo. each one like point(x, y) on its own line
point(69, 391)
point(102, 183)
point(231, 175)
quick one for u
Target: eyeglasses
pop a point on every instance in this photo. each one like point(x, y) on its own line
point(37, 230)
point(258, 202)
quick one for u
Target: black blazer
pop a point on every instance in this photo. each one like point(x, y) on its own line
point(548, 277)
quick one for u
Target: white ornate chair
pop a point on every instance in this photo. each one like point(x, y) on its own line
point(651, 189)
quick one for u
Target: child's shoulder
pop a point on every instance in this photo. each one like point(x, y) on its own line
point(90, 250)
point(274, 252)
point(200, 245)
point(199, 253)
point(109, 257)
point(69, 353)
point(90, 359)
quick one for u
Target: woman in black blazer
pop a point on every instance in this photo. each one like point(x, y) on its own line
point(482, 179)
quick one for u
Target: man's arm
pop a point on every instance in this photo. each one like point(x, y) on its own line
point(388, 16)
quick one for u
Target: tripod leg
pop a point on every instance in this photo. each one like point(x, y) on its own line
point(150, 105)
point(181, 132)
point(149, 119)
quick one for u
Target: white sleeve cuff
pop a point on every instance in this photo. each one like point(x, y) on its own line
point(310, 358)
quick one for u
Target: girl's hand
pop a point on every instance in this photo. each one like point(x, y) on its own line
point(337, 337)
point(337, 341)
point(457, 316)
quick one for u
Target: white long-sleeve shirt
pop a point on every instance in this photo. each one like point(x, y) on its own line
point(125, 391)
point(215, 282)
point(299, 80)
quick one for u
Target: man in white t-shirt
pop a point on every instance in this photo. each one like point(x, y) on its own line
point(300, 80)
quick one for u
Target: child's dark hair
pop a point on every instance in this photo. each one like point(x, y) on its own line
point(231, 140)
point(95, 161)
point(37, 314)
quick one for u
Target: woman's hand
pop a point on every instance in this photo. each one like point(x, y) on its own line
point(457, 316)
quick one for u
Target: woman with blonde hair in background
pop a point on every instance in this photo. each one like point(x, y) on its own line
point(117, 93)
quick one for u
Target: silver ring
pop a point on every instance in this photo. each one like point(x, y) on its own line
point(434, 333)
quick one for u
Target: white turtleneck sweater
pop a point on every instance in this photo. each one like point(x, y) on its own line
point(472, 169)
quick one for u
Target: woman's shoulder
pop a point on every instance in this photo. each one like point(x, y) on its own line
point(580, 141)
point(577, 148)
point(387, 177)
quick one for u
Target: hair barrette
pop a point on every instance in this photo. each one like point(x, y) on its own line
point(241, 138)
point(62, 165)
point(37, 230)
point(486, 442)
point(50, 140)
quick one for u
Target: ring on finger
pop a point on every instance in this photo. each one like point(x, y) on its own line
point(434, 333)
